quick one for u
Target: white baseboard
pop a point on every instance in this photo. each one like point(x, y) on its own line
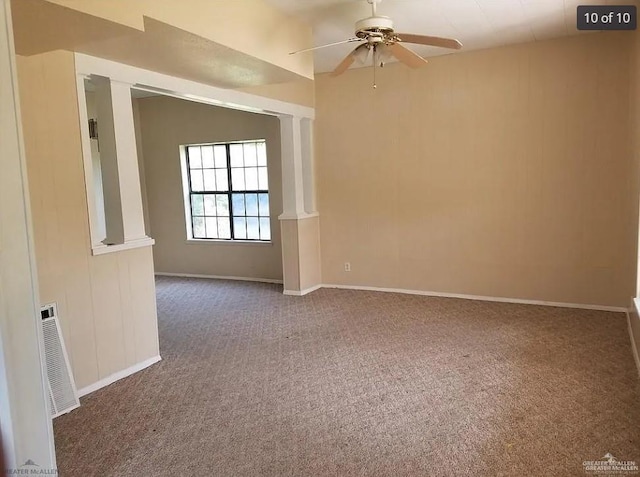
point(302, 292)
point(118, 376)
point(634, 348)
point(619, 309)
point(219, 277)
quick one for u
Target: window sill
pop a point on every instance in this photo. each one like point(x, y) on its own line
point(102, 249)
point(251, 243)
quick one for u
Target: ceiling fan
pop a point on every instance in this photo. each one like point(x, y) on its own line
point(376, 34)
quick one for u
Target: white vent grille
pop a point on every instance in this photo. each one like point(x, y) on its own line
point(63, 396)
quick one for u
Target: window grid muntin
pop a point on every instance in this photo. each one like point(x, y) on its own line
point(263, 220)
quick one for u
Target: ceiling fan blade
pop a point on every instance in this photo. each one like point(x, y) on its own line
point(407, 56)
point(348, 61)
point(429, 40)
point(350, 40)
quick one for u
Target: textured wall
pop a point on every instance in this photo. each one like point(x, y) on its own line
point(634, 317)
point(165, 125)
point(505, 172)
point(106, 303)
point(26, 430)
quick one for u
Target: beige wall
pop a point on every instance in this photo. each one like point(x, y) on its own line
point(25, 431)
point(298, 92)
point(106, 303)
point(165, 125)
point(634, 121)
point(267, 33)
point(177, 39)
point(505, 172)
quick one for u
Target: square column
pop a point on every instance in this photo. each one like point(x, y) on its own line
point(119, 162)
point(299, 221)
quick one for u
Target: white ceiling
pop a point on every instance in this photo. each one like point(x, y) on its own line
point(477, 24)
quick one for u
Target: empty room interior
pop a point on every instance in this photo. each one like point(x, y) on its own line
point(334, 237)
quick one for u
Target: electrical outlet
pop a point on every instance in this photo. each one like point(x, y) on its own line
point(347, 266)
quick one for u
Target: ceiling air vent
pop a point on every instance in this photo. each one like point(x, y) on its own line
point(63, 396)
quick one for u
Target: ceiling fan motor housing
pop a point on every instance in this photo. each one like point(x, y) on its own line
point(374, 26)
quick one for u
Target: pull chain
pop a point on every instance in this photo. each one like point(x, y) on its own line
point(375, 61)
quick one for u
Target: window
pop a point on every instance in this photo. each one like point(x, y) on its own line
point(228, 191)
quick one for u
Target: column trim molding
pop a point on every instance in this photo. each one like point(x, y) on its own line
point(186, 89)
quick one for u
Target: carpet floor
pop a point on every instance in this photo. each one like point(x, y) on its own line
point(357, 383)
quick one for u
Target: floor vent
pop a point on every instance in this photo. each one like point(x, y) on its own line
point(63, 396)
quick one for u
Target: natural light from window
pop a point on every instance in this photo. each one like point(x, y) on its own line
point(227, 191)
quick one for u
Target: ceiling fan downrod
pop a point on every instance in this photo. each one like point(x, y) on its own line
point(374, 4)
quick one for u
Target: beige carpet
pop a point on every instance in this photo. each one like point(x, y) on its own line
point(353, 383)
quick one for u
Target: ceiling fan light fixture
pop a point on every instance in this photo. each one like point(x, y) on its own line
point(384, 54)
point(361, 54)
point(376, 33)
